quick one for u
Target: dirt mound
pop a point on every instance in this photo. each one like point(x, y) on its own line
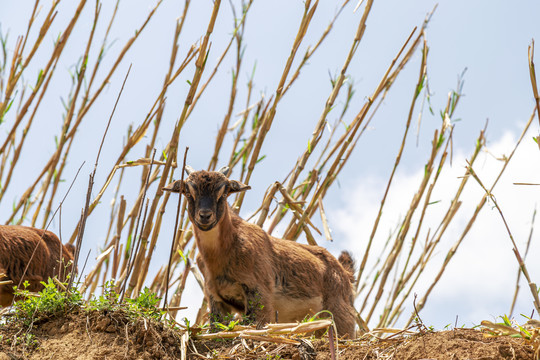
point(455, 344)
point(113, 335)
point(94, 335)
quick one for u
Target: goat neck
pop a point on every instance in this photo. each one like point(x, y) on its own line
point(216, 243)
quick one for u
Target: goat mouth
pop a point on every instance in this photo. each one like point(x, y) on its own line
point(206, 227)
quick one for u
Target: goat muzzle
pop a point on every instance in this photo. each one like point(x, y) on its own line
point(205, 219)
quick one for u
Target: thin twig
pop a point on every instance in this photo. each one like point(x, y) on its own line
point(175, 228)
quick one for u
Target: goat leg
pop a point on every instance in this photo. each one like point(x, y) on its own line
point(218, 314)
point(258, 309)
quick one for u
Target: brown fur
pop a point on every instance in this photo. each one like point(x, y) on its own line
point(250, 272)
point(17, 243)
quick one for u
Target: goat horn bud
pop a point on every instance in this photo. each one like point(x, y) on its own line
point(189, 170)
point(224, 170)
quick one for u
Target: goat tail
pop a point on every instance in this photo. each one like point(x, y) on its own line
point(347, 261)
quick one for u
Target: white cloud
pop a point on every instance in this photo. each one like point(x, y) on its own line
point(480, 280)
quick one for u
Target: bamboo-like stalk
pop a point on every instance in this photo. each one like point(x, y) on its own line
point(421, 77)
point(173, 144)
point(311, 50)
point(471, 222)
point(309, 11)
point(431, 245)
point(87, 101)
point(173, 242)
point(137, 135)
point(519, 258)
point(238, 36)
point(516, 292)
point(46, 72)
point(348, 139)
point(534, 85)
point(319, 128)
point(69, 116)
point(396, 249)
point(15, 75)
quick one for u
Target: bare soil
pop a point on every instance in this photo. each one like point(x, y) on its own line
point(102, 335)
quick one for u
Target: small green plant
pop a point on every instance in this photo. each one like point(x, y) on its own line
point(145, 305)
point(229, 327)
point(108, 301)
point(317, 316)
point(50, 301)
point(28, 340)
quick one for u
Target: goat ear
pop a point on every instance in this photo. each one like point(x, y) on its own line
point(175, 186)
point(237, 186)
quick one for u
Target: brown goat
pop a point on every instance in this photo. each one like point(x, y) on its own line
point(249, 272)
point(17, 244)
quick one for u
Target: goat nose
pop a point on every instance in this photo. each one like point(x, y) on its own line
point(205, 215)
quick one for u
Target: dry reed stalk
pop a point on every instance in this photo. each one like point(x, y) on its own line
point(247, 148)
point(195, 100)
point(16, 71)
point(450, 107)
point(137, 135)
point(45, 73)
point(347, 142)
point(348, 137)
point(311, 50)
point(266, 122)
point(177, 297)
point(532, 74)
point(87, 100)
point(297, 212)
point(340, 121)
point(435, 239)
point(402, 233)
point(399, 283)
point(129, 43)
point(519, 258)
point(421, 78)
point(169, 78)
point(265, 207)
point(471, 222)
point(270, 329)
point(173, 144)
point(324, 219)
point(84, 215)
point(18, 149)
point(320, 126)
point(238, 35)
point(519, 271)
point(56, 174)
point(173, 242)
point(137, 256)
point(243, 120)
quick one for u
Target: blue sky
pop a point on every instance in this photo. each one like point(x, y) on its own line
point(488, 38)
